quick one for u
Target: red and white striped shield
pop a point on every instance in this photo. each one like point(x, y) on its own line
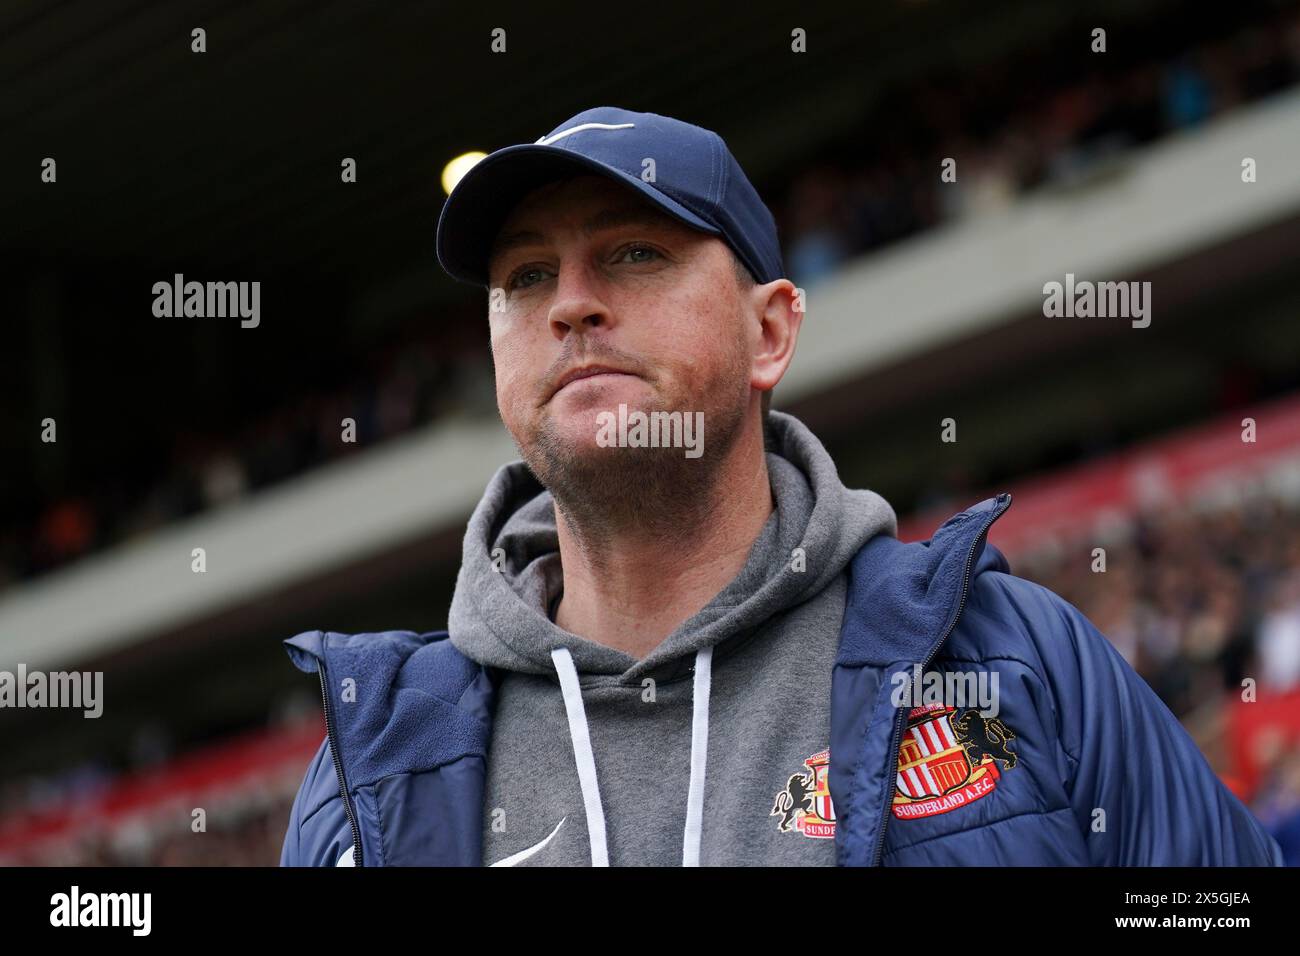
point(931, 760)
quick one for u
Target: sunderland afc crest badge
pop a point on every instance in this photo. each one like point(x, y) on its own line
point(947, 761)
point(805, 803)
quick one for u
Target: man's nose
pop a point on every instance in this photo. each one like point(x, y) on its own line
point(578, 305)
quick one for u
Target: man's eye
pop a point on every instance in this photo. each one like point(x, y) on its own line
point(518, 278)
point(526, 276)
point(629, 250)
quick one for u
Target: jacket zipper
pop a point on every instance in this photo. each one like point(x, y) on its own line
point(896, 738)
point(338, 767)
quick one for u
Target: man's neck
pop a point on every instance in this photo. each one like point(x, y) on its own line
point(630, 590)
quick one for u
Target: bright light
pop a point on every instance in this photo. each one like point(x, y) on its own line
point(458, 167)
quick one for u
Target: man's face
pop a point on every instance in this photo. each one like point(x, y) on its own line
point(591, 274)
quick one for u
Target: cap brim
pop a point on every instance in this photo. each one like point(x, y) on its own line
point(479, 204)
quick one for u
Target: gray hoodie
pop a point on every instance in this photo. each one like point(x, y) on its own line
point(710, 750)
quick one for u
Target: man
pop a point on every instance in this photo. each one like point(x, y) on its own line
point(692, 644)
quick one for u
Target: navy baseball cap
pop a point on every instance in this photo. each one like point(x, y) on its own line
point(696, 180)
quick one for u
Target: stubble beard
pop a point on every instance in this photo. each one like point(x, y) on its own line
point(651, 493)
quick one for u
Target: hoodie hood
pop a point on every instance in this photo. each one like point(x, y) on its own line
point(499, 615)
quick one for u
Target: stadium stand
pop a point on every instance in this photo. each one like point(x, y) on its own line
point(1201, 531)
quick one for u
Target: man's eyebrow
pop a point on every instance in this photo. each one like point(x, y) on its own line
point(605, 219)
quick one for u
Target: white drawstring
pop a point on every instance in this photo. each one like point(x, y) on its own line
point(582, 754)
point(586, 762)
point(699, 754)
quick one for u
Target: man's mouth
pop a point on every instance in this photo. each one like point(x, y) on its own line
point(586, 372)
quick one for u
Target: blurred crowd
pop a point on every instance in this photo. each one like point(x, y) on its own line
point(415, 382)
point(1205, 605)
point(248, 831)
point(1021, 125)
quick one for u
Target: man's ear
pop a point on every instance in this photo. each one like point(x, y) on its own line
point(778, 307)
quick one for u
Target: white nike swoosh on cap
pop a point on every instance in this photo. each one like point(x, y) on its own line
point(516, 858)
point(548, 140)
